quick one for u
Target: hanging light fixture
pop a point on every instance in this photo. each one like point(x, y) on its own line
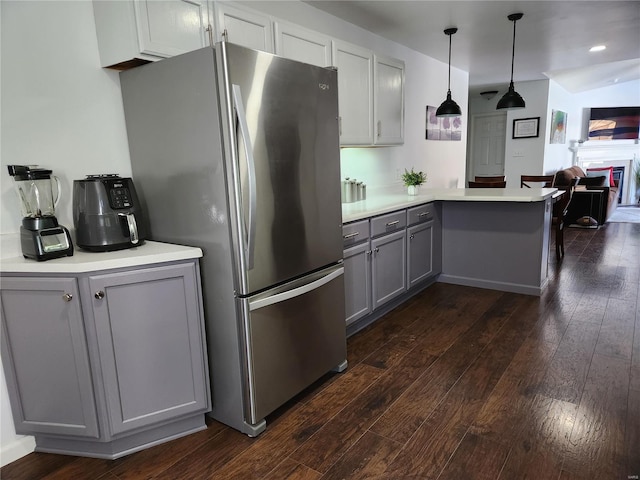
point(449, 108)
point(512, 99)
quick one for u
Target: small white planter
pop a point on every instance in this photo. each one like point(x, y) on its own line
point(412, 189)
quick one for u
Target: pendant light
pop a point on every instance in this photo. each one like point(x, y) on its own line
point(449, 108)
point(512, 99)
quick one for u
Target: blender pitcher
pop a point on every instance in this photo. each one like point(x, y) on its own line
point(35, 188)
point(41, 237)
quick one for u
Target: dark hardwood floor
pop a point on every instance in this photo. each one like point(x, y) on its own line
point(457, 383)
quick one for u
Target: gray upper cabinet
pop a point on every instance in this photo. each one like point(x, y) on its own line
point(45, 357)
point(301, 44)
point(150, 345)
point(131, 32)
point(244, 27)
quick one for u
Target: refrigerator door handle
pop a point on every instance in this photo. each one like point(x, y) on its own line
point(296, 292)
point(251, 172)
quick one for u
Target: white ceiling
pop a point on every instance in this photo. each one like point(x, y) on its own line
point(552, 39)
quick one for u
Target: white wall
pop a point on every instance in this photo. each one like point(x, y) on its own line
point(539, 156)
point(425, 84)
point(558, 156)
point(60, 110)
point(625, 94)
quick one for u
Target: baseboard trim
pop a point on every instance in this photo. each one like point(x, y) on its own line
point(493, 285)
point(22, 446)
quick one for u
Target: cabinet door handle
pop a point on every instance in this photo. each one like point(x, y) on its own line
point(99, 295)
point(376, 249)
point(67, 297)
point(368, 252)
point(379, 127)
point(340, 126)
point(411, 237)
point(351, 235)
point(391, 224)
point(423, 214)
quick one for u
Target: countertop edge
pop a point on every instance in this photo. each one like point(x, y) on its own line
point(84, 262)
point(388, 202)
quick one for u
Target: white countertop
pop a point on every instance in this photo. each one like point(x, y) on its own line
point(12, 261)
point(395, 198)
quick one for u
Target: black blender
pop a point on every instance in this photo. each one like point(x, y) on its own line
point(41, 237)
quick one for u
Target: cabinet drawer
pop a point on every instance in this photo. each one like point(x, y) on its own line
point(419, 214)
point(388, 223)
point(355, 232)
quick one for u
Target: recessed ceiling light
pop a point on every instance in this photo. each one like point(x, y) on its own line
point(597, 48)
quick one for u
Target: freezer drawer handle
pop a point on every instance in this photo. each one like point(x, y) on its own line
point(296, 292)
point(251, 172)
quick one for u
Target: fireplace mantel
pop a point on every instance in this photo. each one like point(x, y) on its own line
point(604, 153)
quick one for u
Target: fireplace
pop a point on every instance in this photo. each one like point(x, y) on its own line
point(621, 155)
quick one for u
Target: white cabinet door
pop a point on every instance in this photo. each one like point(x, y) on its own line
point(243, 27)
point(298, 43)
point(132, 32)
point(355, 104)
point(388, 100)
point(168, 28)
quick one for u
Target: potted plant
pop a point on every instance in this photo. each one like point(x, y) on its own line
point(412, 180)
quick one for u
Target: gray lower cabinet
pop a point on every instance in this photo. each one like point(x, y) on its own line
point(419, 253)
point(106, 363)
point(357, 282)
point(388, 255)
point(389, 270)
point(45, 357)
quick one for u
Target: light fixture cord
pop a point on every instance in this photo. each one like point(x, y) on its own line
point(449, 80)
point(513, 48)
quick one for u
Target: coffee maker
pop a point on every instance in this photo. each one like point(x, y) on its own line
point(41, 237)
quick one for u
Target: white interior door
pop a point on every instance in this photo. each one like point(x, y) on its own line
point(488, 144)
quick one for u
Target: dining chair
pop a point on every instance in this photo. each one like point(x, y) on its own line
point(502, 184)
point(495, 178)
point(546, 180)
point(560, 208)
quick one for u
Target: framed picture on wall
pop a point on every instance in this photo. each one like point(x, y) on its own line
point(526, 127)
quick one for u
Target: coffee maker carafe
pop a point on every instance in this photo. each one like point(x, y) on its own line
point(41, 237)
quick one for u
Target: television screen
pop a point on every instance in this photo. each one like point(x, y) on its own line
point(615, 123)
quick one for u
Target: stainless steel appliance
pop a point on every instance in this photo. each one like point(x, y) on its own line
point(41, 237)
point(107, 215)
point(237, 152)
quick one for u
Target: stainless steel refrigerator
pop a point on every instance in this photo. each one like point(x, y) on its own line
point(236, 151)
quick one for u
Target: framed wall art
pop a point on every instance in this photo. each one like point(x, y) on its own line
point(442, 128)
point(526, 127)
point(558, 127)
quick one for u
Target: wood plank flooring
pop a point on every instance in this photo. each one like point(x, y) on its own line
point(457, 383)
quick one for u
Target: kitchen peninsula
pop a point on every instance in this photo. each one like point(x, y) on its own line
point(488, 238)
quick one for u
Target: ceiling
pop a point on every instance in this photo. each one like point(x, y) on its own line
point(552, 39)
